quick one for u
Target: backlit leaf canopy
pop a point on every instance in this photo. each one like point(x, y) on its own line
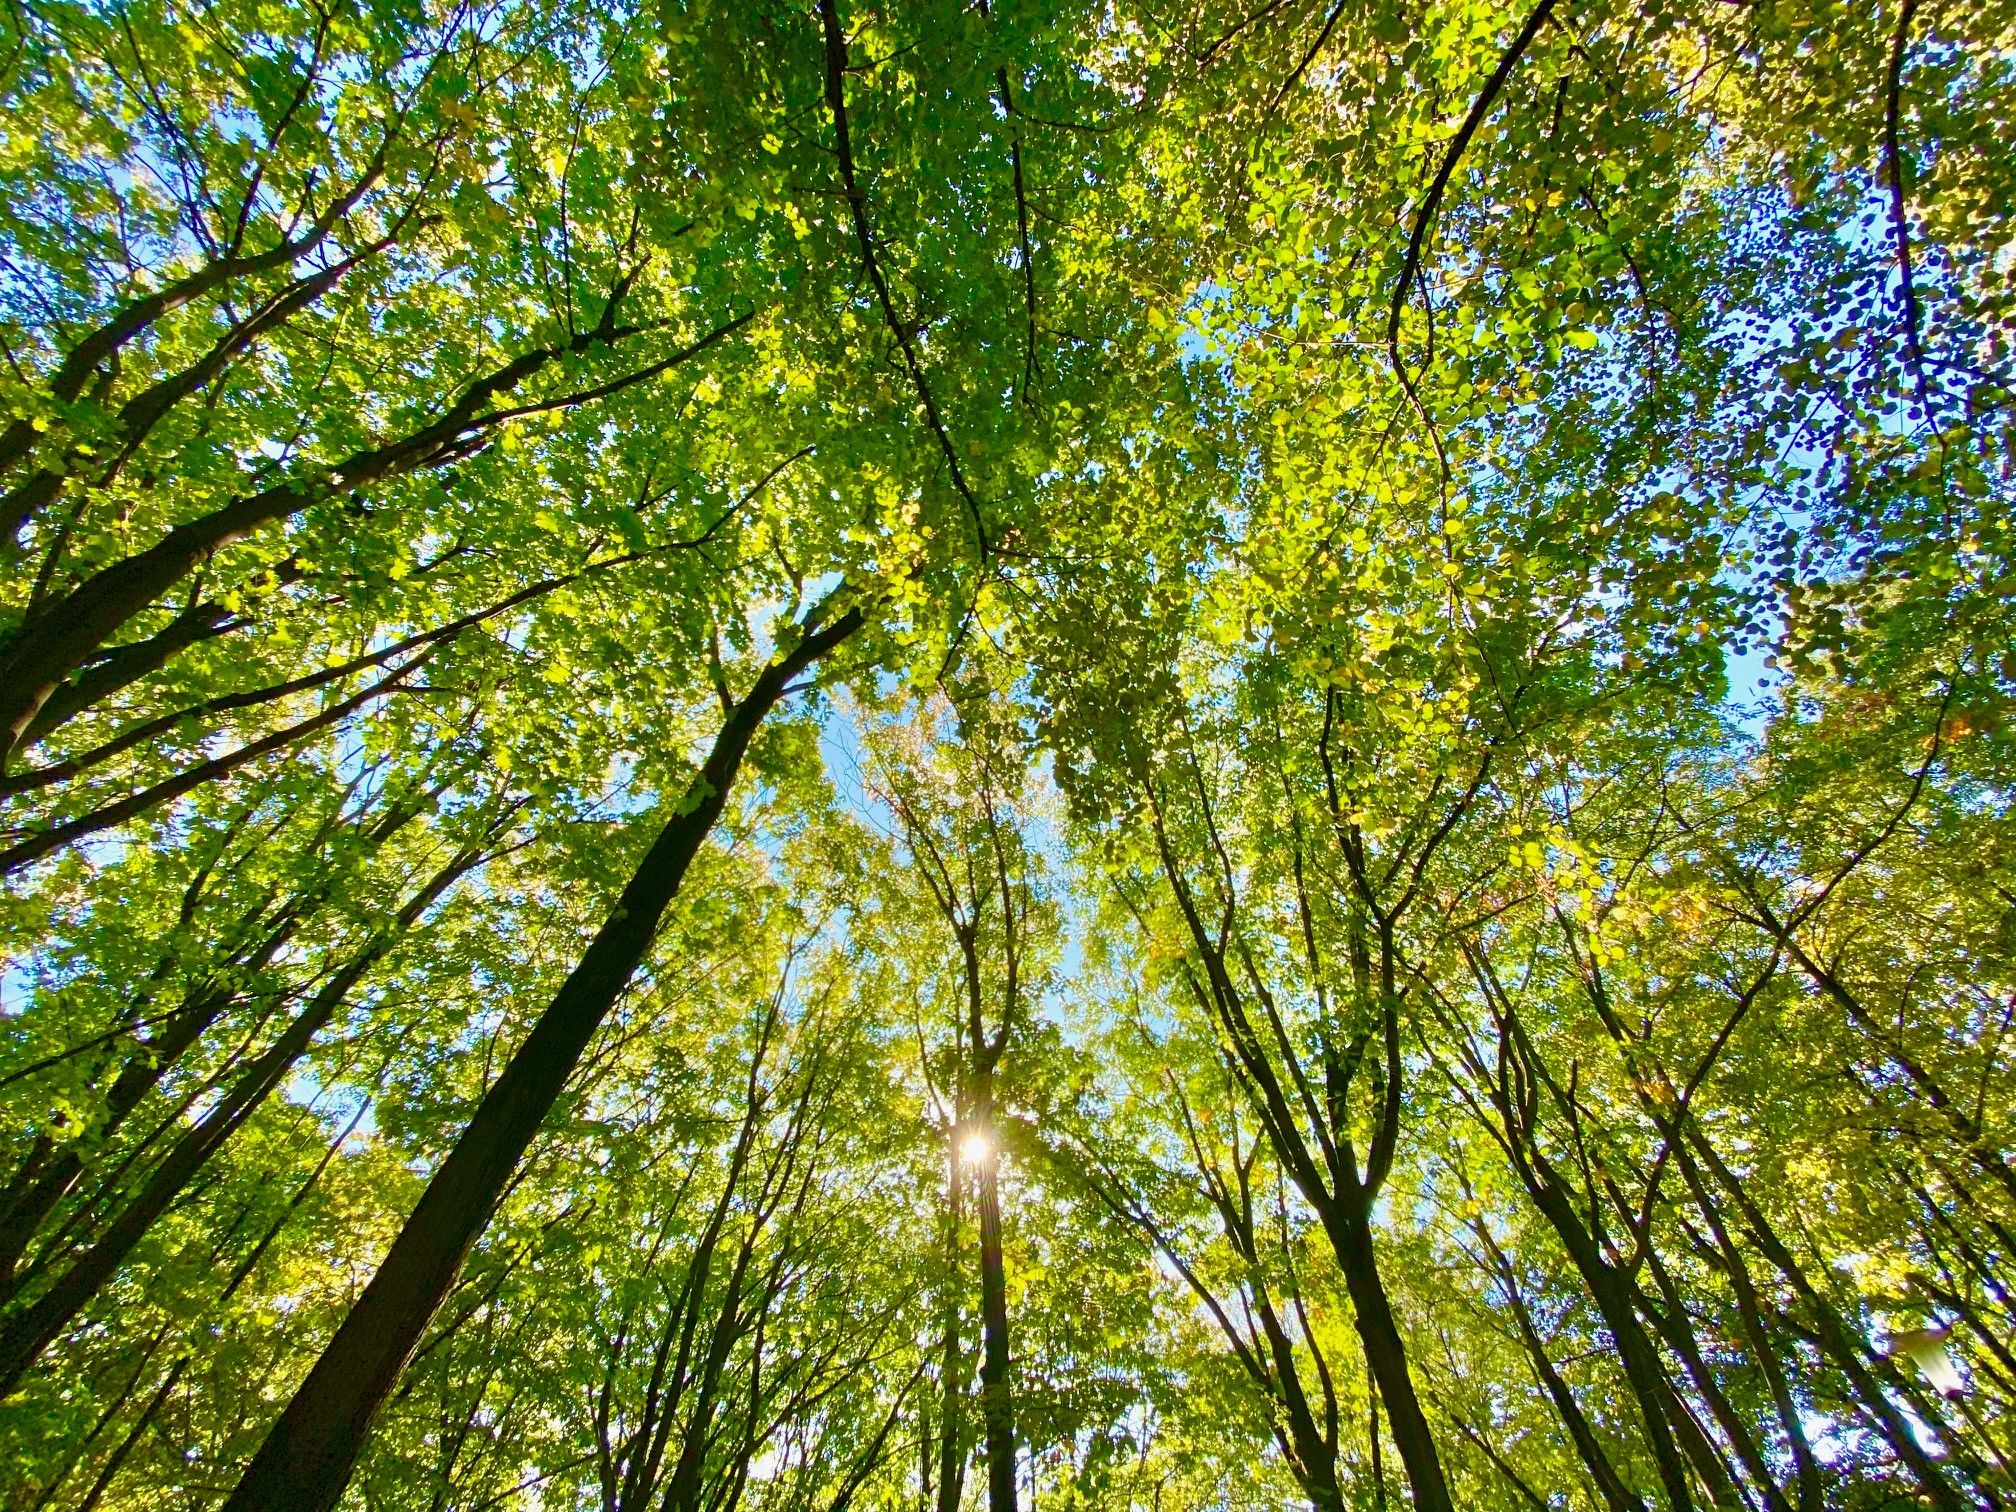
point(819, 755)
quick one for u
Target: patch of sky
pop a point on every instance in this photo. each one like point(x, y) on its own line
point(17, 986)
point(338, 1106)
point(842, 750)
point(1195, 343)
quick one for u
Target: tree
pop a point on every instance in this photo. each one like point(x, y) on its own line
point(1251, 754)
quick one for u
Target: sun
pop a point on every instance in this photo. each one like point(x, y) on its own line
point(975, 1148)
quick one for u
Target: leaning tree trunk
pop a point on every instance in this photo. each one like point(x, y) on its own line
point(306, 1460)
point(1612, 1296)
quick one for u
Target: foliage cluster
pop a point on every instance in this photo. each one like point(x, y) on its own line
point(920, 754)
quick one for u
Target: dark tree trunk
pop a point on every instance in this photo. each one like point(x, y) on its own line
point(45, 1180)
point(1342, 1197)
point(306, 1460)
point(1612, 1295)
point(997, 1405)
point(1617, 1496)
point(1674, 1325)
point(1835, 1336)
point(126, 665)
point(952, 1377)
point(64, 635)
point(1812, 1496)
point(1349, 1228)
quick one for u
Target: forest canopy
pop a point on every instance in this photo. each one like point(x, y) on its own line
point(837, 755)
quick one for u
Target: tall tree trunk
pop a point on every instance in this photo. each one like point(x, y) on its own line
point(306, 1460)
point(1675, 1325)
point(952, 1370)
point(1612, 1295)
point(50, 1174)
point(1342, 1197)
point(1349, 1227)
point(64, 635)
point(1313, 1452)
point(1617, 1496)
point(48, 1177)
point(997, 1405)
point(1515, 1097)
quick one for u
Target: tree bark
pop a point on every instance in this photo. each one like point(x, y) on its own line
point(1617, 1496)
point(997, 1407)
point(1350, 1231)
point(190, 778)
point(1837, 1339)
point(952, 1368)
point(1751, 1314)
point(1613, 1300)
point(305, 1462)
point(125, 665)
point(1341, 1196)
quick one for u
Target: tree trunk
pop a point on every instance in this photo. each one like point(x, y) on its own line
point(1614, 1301)
point(42, 1182)
point(1617, 1496)
point(45, 1181)
point(62, 636)
point(1349, 1227)
point(306, 1460)
point(1674, 1324)
point(1836, 1338)
point(126, 665)
point(997, 1405)
point(952, 1372)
